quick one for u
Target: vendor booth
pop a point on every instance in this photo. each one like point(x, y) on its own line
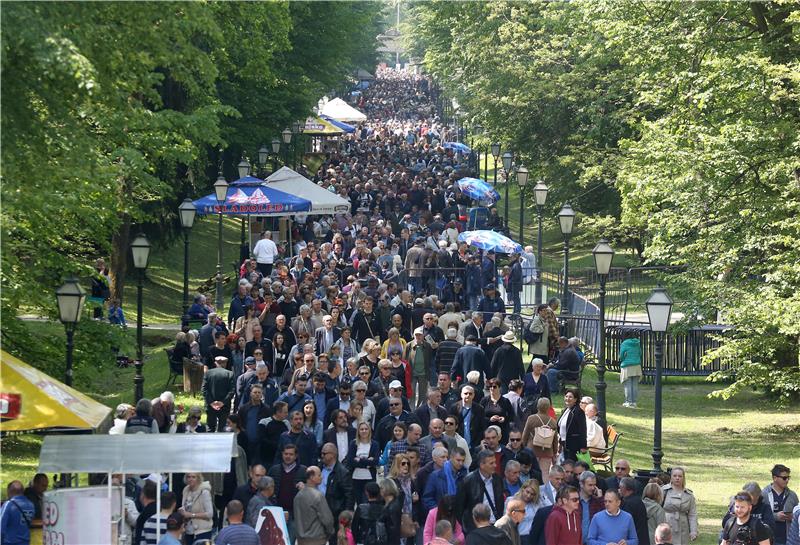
point(340, 110)
point(66, 509)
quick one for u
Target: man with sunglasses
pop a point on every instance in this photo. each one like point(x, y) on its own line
point(612, 525)
point(563, 525)
point(509, 523)
point(782, 500)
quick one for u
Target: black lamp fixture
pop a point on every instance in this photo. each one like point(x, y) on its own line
point(508, 163)
point(263, 156)
point(187, 212)
point(522, 181)
point(566, 221)
point(603, 255)
point(221, 192)
point(243, 167)
point(70, 298)
point(659, 311)
point(540, 196)
point(140, 249)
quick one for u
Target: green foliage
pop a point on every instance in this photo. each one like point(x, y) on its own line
point(684, 116)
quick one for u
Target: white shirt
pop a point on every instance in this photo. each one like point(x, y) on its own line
point(594, 435)
point(487, 484)
point(265, 251)
point(342, 444)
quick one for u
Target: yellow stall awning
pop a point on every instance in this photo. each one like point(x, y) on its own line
point(30, 400)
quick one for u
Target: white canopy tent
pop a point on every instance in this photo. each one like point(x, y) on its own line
point(138, 454)
point(340, 110)
point(322, 201)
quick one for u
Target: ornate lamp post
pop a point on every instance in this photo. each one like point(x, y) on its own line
point(540, 195)
point(187, 212)
point(140, 248)
point(522, 181)
point(263, 157)
point(659, 309)
point(566, 221)
point(508, 162)
point(603, 255)
point(286, 135)
point(70, 298)
point(276, 151)
point(243, 167)
point(496, 154)
point(221, 192)
point(296, 142)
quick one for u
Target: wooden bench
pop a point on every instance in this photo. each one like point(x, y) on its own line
point(605, 457)
point(570, 380)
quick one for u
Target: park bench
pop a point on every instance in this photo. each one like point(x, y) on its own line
point(573, 380)
point(605, 457)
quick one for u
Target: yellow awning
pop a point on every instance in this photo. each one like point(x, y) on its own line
point(316, 126)
point(31, 400)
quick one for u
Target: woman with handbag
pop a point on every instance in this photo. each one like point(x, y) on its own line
point(540, 435)
point(197, 508)
point(406, 484)
point(572, 426)
point(537, 335)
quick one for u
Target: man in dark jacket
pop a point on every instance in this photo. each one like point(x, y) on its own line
point(469, 358)
point(507, 362)
point(250, 414)
point(568, 363)
point(368, 514)
point(471, 416)
point(515, 283)
point(385, 427)
point(482, 486)
point(365, 323)
point(340, 433)
point(484, 531)
point(337, 485)
point(287, 475)
point(218, 388)
point(305, 441)
point(491, 303)
point(634, 505)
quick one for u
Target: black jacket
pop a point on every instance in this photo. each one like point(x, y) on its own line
point(507, 363)
point(488, 535)
point(576, 429)
point(384, 428)
point(374, 453)
point(471, 492)
point(477, 424)
point(537, 526)
point(329, 435)
point(423, 416)
point(634, 505)
point(366, 515)
point(339, 490)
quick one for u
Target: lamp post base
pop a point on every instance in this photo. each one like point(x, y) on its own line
point(138, 381)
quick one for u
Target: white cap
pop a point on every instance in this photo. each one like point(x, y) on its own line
point(395, 384)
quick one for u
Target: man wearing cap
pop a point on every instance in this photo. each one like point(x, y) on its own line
point(218, 388)
point(491, 303)
point(244, 381)
point(385, 426)
point(507, 361)
point(419, 355)
point(395, 390)
point(123, 413)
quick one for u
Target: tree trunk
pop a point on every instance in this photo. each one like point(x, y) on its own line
point(120, 243)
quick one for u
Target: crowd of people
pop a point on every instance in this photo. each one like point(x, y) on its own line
point(377, 392)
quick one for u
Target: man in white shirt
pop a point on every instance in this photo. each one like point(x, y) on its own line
point(594, 433)
point(265, 252)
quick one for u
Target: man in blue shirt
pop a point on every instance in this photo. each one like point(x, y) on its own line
point(237, 532)
point(16, 516)
point(613, 524)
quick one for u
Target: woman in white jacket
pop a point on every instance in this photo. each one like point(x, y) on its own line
point(197, 508)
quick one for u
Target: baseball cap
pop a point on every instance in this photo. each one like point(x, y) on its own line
point(249, 360)
point(395, 384)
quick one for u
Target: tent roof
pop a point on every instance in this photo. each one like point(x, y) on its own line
point(340, 124)
point(363, 75)
point(322, 200)
point(255, 200)
point(316, 126)
point(37, 401)
point(137, 453)
point(340, 110)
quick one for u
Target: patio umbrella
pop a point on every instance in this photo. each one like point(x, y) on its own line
point(457, 146)
point(257, 200)
point(477, 189)
point(490, 240)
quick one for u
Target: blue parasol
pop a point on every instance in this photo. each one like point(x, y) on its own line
point(339, 124)
point(490, 240)
point(256, 200)
point(457, 146)
point(477, 189)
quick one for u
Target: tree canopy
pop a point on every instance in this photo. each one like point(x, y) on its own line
point(680, 121)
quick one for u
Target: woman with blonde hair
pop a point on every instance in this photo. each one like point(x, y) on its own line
point(393, 342)
point(529, 493)
point(541, 436)
point(197, 507)
point(680, 507)
point(362, 460)
point(652, 497)
point(401, 474)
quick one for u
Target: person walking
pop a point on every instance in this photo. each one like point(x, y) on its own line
point(680, 507)
point(16, 516)
point(219, 386)
point(313, 520)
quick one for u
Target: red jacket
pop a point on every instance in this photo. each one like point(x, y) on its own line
point(563, 528)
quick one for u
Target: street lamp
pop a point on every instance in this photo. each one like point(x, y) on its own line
point(140, 248)
point(221, 192)
point(522, 181)
point(243, 167)
point(187, 212)
point(659, 309)
point(508, 161)
point(286, 135)
point(263, 157)
point(496, 154)
point(540, 195)
point(70, 298)
point(603, 255)
point(566, 221)
point(296, 138)
point(276, 151)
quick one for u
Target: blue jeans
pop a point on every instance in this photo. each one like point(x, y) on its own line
point(631, 387)
point(552, 380)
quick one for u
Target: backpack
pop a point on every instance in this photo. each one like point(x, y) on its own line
point(753, 524)
point(375, 532)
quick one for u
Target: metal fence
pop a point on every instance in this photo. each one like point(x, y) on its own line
point(683, 352)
